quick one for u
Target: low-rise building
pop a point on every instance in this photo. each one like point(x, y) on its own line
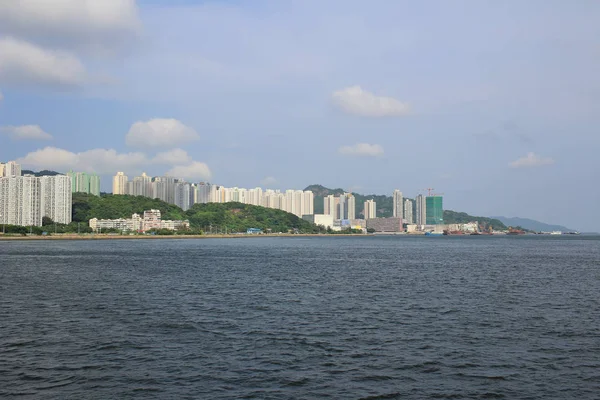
point(151, 220)
point(393, 224)
point(319, 219)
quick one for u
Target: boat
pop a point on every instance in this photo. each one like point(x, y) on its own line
point(433, 234)
point(452, 233)
point(512, 231)
point(556, 233)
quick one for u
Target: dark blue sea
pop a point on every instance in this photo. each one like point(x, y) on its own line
point(301, 318)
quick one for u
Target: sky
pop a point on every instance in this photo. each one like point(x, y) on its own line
point(495, 105)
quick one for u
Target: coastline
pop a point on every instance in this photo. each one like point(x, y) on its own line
point(157, 237)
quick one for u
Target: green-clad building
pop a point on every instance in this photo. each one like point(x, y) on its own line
point(84, 183)
point(434, 210)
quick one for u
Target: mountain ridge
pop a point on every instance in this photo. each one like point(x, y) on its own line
point(532, 224)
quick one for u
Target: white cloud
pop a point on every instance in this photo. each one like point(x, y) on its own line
point(355, 100)
point(90, 24)
point(362, 149)
point(196, 171)
point(268, 181)
point(25, 132)
point(172, 157)
point(531, 160)
point(102, 161)
point(24, 63)
point(158, 132)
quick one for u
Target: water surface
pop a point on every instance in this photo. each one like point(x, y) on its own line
point(272, 318)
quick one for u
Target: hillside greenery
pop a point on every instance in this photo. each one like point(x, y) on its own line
point(40, 173)
point(454, 217)
point(87, 206)
point(238, 217)
point(212, 217)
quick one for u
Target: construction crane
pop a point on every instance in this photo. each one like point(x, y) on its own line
point(429, 190)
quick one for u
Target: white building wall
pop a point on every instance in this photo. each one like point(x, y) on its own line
point(398, 203)
point(56, 198)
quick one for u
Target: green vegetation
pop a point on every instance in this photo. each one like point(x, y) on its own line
point(453, 217)
point(238, 217)
point(213, 217)
point(88, 206)
point(41, 173)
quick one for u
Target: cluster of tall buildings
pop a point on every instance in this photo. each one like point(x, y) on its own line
point(184, 194)
point(82, 182)
point(25, 200)
point(423, 211)
point(340, 207)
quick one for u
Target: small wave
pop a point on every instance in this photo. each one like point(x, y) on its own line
point(394, 395)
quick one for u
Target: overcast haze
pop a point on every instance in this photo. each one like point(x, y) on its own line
point(496, 104)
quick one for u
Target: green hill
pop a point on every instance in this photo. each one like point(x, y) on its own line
point(454, 217)
point(233, 217)
point(533, 225)
point(239, 217)
point(87, 206)
point(40, 173)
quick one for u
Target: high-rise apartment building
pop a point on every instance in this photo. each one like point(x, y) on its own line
point(56, 198)
point(309, 203)
point(370, 209)
point(346, 209)
point(29, 195)
point(20, 201)
point(141, 186)
point(82, 182)
point(408, 211)
point(329, 205)
point(11, 168)
point(435, 210)
point(24, 200)
point(398, 203)
point(182, 195)
point(421, 208)
point(120, 183)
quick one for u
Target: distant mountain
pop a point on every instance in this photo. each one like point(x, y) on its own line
point(454, 217)
point(532, 225)
point(41, 173)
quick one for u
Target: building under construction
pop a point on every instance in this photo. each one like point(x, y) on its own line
point(434, 210)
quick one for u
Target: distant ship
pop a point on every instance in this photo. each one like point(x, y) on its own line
point(512, 231)
point(433, 234)
point(556, 233)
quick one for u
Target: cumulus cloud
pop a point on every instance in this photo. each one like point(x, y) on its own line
point(268, 181)
point(531, 160)
point(26, 132)
point(172, 157)
point(102, 161)
point(355, 100)
point(158, 132)
point(87, 24)
point(22, 62)
point(362, 149)
point(196, 171)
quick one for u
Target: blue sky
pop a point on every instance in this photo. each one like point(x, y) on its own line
point(494, 104)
